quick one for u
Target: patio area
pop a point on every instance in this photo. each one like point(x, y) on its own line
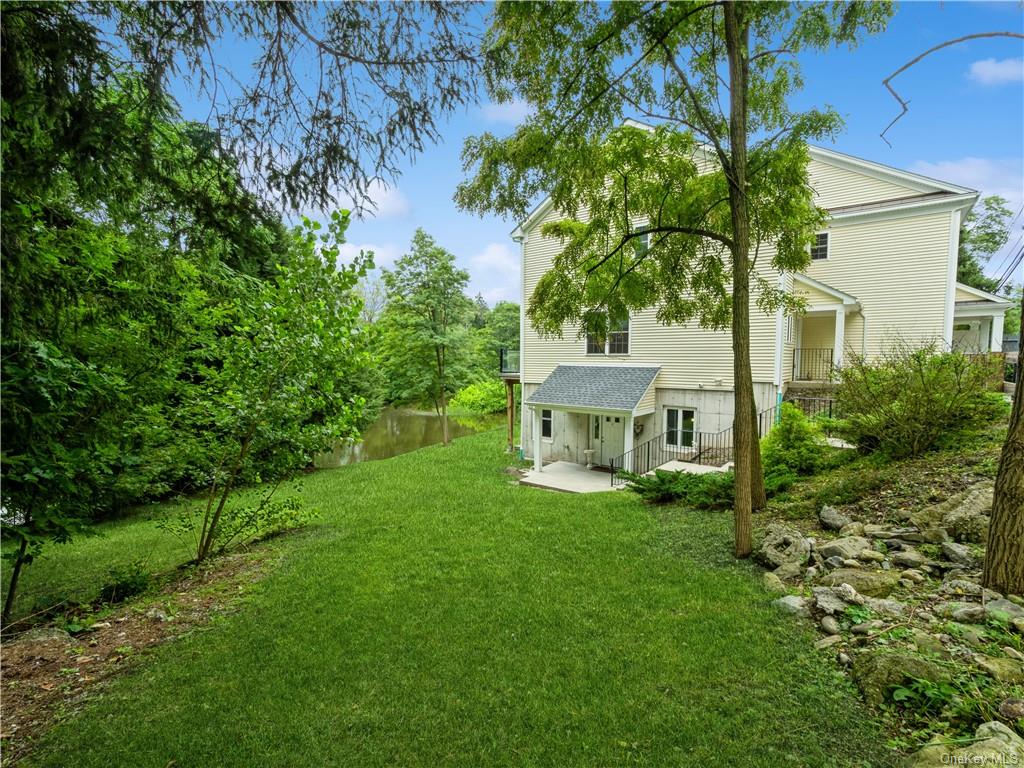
point(569, 477)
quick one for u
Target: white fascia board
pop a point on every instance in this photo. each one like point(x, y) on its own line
point(985, 295)
point(581, 409)
point(843, 297)
point(996, 310)
point(898, 210)
point(523, 229)
point(885, 172)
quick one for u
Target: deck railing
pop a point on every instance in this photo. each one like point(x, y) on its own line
point(812, 364)
point(815, 407)
point(508, 360)
point(709, 449)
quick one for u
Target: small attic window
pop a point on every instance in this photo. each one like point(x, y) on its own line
point(819, 250)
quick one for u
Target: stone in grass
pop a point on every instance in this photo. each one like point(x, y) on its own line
point(793, 604)
point(892, 608)
point(871, 555)
point(866, 582)
point(828, 642)
point(832, 519)
point(1004, 609)
point(772, 583)
point(959, 553)
point(782, 544)
point(928, 644)
point(911, 558)
point(852, 529)
point(1012, 709)
point(789, 571)
point(876, 671)
point(867, 627)
point(1002, 669)
point(993, 744)
point(912, 575)
point(1013, 653)
point(830, 599)
point(830, 625)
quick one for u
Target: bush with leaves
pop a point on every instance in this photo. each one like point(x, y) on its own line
point(486, 396)
point(711, 491)
point(910, 401)
point(794, 443)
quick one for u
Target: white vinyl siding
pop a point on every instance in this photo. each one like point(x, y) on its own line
point(834, 186)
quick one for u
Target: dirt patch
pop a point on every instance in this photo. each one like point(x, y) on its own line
point(46, 672)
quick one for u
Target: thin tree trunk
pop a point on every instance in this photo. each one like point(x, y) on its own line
point(1004, 554)
point(736, 46)
point(206, 542)
point(439, 353)
point(12, 588)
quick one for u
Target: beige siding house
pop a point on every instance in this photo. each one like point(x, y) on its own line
point(883, 272)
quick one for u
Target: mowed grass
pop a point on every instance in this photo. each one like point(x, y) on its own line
point(439, 614)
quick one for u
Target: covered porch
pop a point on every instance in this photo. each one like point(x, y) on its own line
point(978, 321)
point(819, 335)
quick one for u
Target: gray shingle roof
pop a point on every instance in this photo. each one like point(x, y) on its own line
point(615, 387)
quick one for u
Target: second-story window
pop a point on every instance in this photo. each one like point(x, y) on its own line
point(617, 342)
point(820, 248)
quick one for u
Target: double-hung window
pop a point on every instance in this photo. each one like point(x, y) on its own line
point(819, 250)
point(679, 424)
point(617, 342)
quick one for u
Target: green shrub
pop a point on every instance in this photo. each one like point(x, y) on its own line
point(126, 581)
point(486, 396)
point(794, 443)
point(915, 400)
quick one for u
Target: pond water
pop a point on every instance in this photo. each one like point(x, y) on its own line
point(400, 430)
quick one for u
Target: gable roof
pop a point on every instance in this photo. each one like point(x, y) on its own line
point(603, 387)
point(924, 189)
point(840, 296)
point(982, 297)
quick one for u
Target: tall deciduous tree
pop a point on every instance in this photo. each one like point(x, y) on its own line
point(983, 233)
point(1004, 553)
point(429, 342)
point(720, 183)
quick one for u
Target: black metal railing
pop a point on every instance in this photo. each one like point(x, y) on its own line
point(508, 360)
point(709, 449)
point(810, 364)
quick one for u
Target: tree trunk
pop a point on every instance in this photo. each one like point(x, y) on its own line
point(744, 443)
point(442, 397)
point(1004, 554)
point(12, 588)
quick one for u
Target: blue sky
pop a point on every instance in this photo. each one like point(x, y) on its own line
point(965, 125)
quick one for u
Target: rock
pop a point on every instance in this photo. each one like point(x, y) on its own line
point(1012, 709)
point(994, 744)
point(871, 555)
point(1016, 599)
point(811, 574)
point(830, 625)
point(832, 519)
point(157, 615)
point(959, 554)
point(789, 571)
point(975, 614)
point(948, 608)
point(851, 563)
point(782, 544)
point(1003, 609)
point(927, 536)
point(972, 635)
point(793, 604)
point(828, 642)
point(960, 587)
point(892, 608)
point(877, 531)
point(1017, 625)
point(846, 547)
point(100, 625)
point(867, 627)
point(871, 583)
point(875, 671)
point(830, 599)
point(834, 562)
point(852, 529)
point(928, 644)
point(912, 575)
point(968, 521)
point(911, 558)
point(43, 635)
point(1013, 653)
point(772, 583)
point(1002, 669)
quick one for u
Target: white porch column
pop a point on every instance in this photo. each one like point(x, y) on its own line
point(997, 334)
point(538, 461)
point(840, 341)
point(627, 445)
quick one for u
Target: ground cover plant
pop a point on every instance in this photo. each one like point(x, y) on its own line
point(439, 613)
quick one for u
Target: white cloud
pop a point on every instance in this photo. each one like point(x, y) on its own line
point(495, 273)
point(510, 112)
point(385, 202)
point(990, 176)
point(384, 255)
point(996, 72)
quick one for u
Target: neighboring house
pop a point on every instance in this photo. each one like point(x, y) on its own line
point(883, 272)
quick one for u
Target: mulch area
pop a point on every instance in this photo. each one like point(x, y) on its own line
point(45, 673)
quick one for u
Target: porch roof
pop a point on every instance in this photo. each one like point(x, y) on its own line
point(595, 387)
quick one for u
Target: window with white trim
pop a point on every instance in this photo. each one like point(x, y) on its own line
point(617, 342)
point(545, 423)
point(641, 244)
point(819, 250)
point(679, 427)
point(789, 329)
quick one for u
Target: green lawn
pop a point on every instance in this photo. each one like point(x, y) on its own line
point(441, 615)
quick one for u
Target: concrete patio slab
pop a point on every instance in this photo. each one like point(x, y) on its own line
point(569, 477)
point(696, 469)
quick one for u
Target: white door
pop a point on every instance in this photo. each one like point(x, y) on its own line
point(608, 435)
